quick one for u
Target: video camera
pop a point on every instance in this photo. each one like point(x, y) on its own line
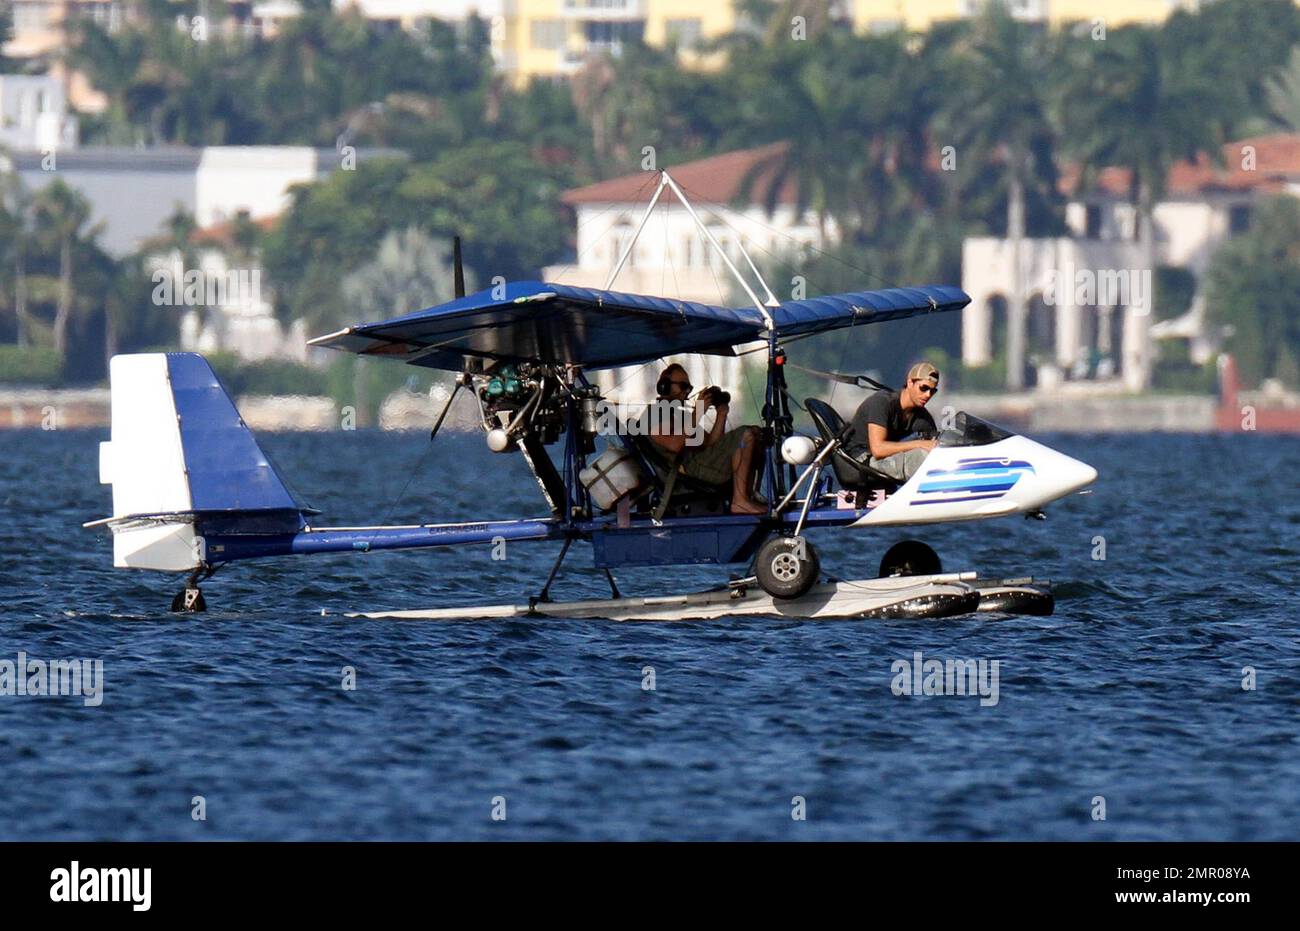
point(719, 396)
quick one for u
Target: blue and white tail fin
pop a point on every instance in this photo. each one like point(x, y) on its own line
point(182, 461)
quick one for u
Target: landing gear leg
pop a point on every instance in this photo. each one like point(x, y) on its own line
point(545, 594)
point(190, 600)
point(613, 589)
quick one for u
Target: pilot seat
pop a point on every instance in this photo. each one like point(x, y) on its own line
point(852, 474)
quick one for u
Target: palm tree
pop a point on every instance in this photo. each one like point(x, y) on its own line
point(802, 96)
point(998, 115)
point(301, 83)
point(889, 104)
point(112, 62)
point(178, 243)
point(409, 271)
point(1127, 104)
point(1283, 93)
point(61, 213)
point(15, 218)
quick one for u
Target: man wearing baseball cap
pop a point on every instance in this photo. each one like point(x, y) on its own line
point(883, 420)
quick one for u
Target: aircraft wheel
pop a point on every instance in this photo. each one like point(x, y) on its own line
point(787, 567)
point(910, 557)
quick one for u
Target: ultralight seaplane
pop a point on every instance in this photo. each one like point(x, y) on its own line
point(193, 491)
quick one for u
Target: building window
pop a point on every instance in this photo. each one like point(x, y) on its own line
point(1092, 221)
point(1239, 216)
point(548, 33)
point(878, 27)
point(684, 33)
point(106, 15)
point(1020, 9)
point(614, 34)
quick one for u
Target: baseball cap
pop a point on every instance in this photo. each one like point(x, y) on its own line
point(923, 371)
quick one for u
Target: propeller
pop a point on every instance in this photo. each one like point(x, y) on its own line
point(460, 268)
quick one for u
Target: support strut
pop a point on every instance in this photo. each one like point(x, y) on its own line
point(545, 594)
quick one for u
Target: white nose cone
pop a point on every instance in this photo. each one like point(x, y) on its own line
point(1058, 475)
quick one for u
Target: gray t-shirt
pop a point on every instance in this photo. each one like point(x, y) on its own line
point(884, 408)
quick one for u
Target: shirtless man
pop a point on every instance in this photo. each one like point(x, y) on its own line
point(724, 455)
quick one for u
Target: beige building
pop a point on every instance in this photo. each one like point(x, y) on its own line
point(553, 38)
point(919, 15)
point(38, 24)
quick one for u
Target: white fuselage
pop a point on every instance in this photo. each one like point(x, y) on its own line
point(1012, 476)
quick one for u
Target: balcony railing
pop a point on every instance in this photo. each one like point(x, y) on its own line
point(603, 9)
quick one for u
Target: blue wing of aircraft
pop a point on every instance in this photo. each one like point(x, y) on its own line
point(535, 321)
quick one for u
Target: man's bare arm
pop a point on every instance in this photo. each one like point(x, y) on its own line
point(881, 447)
point(719, 423)
point(672, 442)
point(669, 443)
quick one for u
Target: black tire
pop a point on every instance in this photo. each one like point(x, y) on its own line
point(910, 557)
point(787, 567)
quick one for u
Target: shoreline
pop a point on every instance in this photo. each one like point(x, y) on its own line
point(80, 408)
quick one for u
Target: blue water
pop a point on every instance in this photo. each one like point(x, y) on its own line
point(1131, 691)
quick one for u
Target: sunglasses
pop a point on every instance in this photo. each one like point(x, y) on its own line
point(928, 389)
point(683, 384)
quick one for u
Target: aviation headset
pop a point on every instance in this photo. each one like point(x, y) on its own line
point(665, 382)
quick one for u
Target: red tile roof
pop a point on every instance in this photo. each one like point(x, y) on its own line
point(223, 233)
point(711, 180)
point(1277, 161)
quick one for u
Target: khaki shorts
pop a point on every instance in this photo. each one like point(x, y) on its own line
point(900, 466)
point(712, 464)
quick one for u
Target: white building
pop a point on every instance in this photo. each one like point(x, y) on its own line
point(673, 258)
point(236, 314)
point(1101, 335)
point(253, 179)
point(132, 192)
point(34, 114)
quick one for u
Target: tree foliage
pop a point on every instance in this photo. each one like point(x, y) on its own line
point(1254, 288)
point(864, 118)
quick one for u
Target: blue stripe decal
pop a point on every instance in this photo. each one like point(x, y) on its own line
point(1001, 480)
point(955, 500)
point(980, 465)
point(968, 486)
point(993, 478)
